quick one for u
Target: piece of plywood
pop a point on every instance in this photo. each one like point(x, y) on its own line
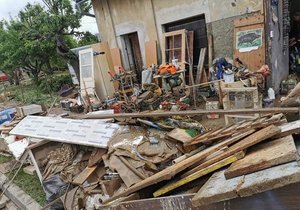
point(198, 174)
point(116, 57)
point(151, 53)
point(254, 58)
point(200, 67)
point(264, 156)
point(247, 142)
point(180, 135)
point(218, 188)
point(102, 65)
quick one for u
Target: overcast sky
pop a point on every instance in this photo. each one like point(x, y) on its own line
point(12, 7)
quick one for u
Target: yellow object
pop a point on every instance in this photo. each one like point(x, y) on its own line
point(199, 174)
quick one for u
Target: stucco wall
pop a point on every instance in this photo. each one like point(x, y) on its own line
point(147, 17)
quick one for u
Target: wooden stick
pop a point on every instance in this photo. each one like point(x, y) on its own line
point(199, 174)
point(203, 84)
point(194, 113)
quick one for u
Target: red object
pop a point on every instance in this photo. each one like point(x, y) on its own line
point(164, 69)
point(3, 77)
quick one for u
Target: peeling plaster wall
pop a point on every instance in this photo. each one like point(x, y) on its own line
point(147, 17)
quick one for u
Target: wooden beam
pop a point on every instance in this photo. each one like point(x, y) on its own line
point(193, 112)
point(247, 142)
point(264, 156)
point(198, 174)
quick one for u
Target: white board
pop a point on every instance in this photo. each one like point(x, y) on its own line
point(86, 63)
point(94, 133)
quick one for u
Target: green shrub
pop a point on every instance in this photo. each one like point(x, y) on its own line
point(54, 83)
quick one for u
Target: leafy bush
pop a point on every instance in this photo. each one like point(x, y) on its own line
point(54, 83)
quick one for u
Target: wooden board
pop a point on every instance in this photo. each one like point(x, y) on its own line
point(104, 47)
point(217, 188)
point(116, 57)
point(192, 113)
point(84, 175)
point(200, 76)
point(247, 142)
point(264, 156)
point(103, 64)
point(255, 58)
point(180, 135)
point(198, 174)
point(151, 53)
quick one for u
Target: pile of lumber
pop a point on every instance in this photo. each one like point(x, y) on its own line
point(144, 163)
point(244, 147)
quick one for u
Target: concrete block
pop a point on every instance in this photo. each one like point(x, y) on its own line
point(29, 170)
point(3, 201)
point(11, 206)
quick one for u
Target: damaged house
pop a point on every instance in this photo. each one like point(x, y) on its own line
point(225, 27)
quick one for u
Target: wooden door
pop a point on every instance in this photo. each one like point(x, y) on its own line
point(249, 41)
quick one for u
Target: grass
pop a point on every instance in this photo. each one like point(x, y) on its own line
point(4, 159)
point(30, 184)
point(29, 94)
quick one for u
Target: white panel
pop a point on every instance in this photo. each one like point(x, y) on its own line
point(86, 63)
point(84, 132)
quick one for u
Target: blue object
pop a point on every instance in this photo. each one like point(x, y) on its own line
point(7, 115)
point(220, 64)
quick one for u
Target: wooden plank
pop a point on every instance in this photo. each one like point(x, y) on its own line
point(210, 50)
point(104, 47)
point(289, 129)
point(171, 171)
point(264, 156)
point(84, 175)
point(151, 53)
point(180, 135)
point(200, 66)
point(116, 57)
point(198, 174)
point(218, 189)
point(193, 113)
point(247, 142)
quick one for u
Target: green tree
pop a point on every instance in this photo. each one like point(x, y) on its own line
point(40, 38)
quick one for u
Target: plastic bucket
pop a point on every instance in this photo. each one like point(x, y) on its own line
point(228, 78)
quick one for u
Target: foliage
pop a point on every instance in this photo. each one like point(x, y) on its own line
point(53, 84)
point(87, 38)
point(40, 38)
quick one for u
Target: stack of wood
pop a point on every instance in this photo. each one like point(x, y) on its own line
point(235, 146)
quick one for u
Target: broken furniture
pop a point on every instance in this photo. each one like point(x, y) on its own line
point(237, 96)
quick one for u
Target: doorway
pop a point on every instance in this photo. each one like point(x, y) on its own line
point(133, 54)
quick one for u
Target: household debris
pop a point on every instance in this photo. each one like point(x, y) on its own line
point(142, 162)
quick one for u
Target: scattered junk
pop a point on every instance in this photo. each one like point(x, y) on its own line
point(140, 134)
